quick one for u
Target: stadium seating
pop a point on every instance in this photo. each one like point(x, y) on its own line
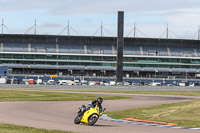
point(43, 48)
point(99, 49)
point(155, 51)
point(15, 47)
point(182, 51)
point(131, 50)
point(71, 48)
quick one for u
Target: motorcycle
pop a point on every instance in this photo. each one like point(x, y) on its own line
point(90, 116)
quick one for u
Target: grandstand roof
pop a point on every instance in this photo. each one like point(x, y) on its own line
point(22, 38)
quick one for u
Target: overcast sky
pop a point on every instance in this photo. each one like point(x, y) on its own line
point(85, 16)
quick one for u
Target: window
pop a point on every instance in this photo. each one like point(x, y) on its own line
point(97, 58)
point(18, 56)
point(84, 58)
point(108, 58)
point(73, 57)
point(6, 56)
point(51, 57)
point(29, 56)
point(40, 56)
point(65, 57)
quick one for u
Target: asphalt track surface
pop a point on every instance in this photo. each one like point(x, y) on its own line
point(59, 115)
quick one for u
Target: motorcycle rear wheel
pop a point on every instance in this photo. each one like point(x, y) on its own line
point(92, 120)
point(77, 120)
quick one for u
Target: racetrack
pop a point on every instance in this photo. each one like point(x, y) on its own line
point(60, 115)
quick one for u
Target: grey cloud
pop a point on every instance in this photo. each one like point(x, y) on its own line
point(21, 5)
point(109, 7)
point(92, 7)
point(51, 25)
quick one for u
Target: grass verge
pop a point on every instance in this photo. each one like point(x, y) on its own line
point(185, 114)
point(7, 128)
point(13, 95)
point(176, 93)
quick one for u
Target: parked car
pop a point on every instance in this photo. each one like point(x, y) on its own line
point(62, 82)
point(127, 83)
point(112, 83)
point(169, 84)
point(14, 81)
point(3, 80)
point(51, 82)
point(91, 83)
point(31, 82)
point(70, 82)
point(84, 82)
point(25, 81)
point(102, 83)
point(155, 84)
point(97, 83)
point(164, 85)
point(39, 82)
point(77, 82)
point(183, 84)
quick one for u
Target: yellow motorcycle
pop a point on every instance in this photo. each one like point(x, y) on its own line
point(90, 116)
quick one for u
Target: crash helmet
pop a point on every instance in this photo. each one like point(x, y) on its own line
point(100, 100)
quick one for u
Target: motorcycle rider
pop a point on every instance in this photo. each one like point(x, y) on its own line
point(97, 102)
point(91, 114)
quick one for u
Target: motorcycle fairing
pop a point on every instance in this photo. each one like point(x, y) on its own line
point(88, 113)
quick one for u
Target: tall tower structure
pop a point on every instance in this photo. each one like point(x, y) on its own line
point(120, 47)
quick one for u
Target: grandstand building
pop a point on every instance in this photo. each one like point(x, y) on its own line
point(96, 56)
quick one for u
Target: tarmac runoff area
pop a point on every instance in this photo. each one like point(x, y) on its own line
point(59, 115)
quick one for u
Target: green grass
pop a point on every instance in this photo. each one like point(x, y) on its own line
point(13, 95)
point(5, 128)
point(185, 114)
point(177, 93)
point(180, 93)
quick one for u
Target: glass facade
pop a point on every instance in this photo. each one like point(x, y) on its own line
point(101, 60)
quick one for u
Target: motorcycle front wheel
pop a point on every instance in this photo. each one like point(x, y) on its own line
point(92, 119)
point(77, 120)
